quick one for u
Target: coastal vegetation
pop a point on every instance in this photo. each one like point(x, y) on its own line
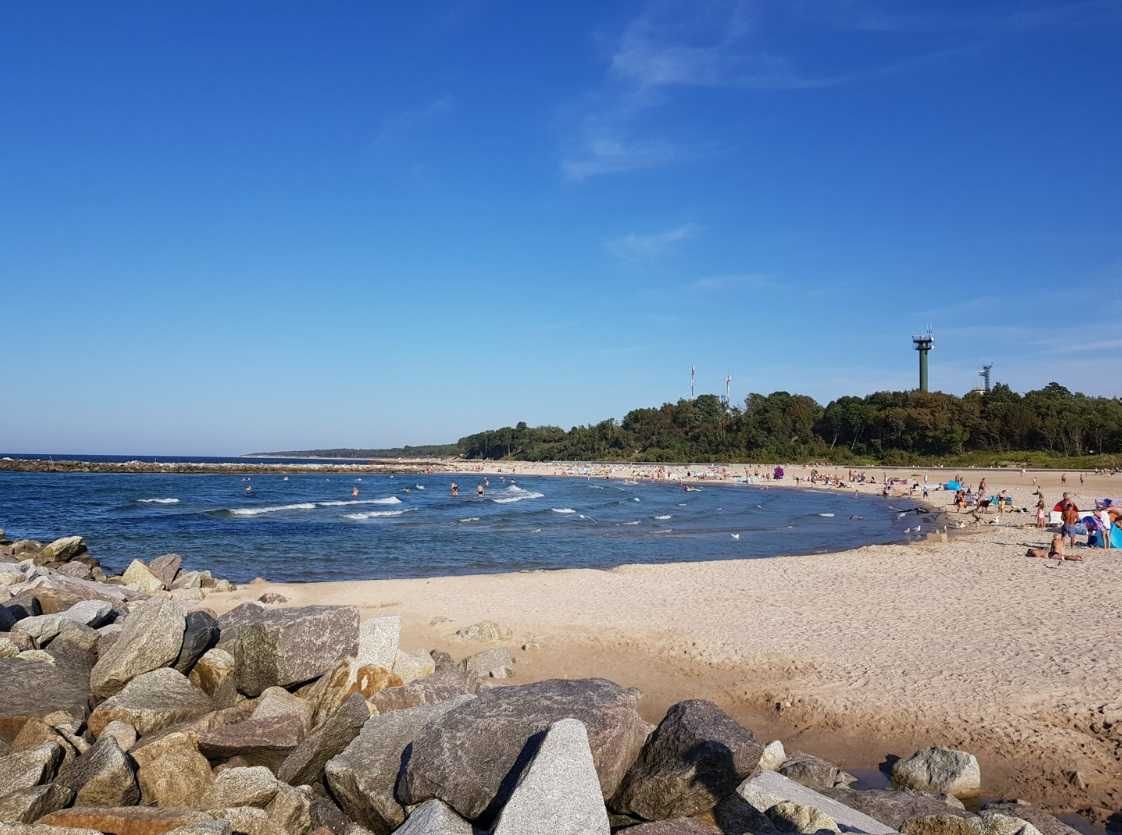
point(1051, 426)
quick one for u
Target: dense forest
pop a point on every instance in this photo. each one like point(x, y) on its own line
point(1051, 424)
point(424, 451)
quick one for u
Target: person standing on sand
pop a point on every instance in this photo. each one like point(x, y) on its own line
point(1041, 517)
point(1071, 519)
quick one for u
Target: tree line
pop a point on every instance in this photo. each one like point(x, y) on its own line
point(1048, 424)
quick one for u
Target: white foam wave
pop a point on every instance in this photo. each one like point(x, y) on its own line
point(344, 503)
point(516, 494)
point(375, 514)
point(158, 501)
point(470, 519)
point(631, 523)
point(826, 515)
point(257, 511)
point(663, 517)
point(419, 486)
point(563, 510)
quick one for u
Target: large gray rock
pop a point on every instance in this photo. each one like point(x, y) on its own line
point(93, 613)
point(815, 772)
point(939, 771)
point(444, 685)
point(496, 662)
point(677, 826)
point(559, 792)
point(276, 701)
point(30, 804)
point(137, 576)
point(789, 816)
point(378, 641)
point(764, 790)
point(62, 549)
point(152, 701)
point(165, 568)
point(696, 756)
point(894, 808)
point(249, 786)
point(362, 778)
point(448, 763)
point(306, 762)
point(214, 675)
point(102, 776)
point(265, 741)
point(151, 638)
point(199, 635)
point(55, 588)
point(75, 644)
point(43, 829)
point(171, 771)
point(28, 768)
point(288, 646)
point(434, 818)
point(1046, 823)
point(988, 823)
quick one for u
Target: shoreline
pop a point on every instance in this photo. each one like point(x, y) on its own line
point(857, 654)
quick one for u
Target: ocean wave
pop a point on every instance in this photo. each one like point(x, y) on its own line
point(375, 514)
point(158, 501)
point(563, 510)
point(663, 517)
point(515, 493)
point(636, 522)
point(344, 503)
point(257, 511)
point(470, 519)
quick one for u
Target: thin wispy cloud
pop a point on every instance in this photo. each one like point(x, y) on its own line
point(635, 246)
point(606, 154)
point(733, 281)
point(399, 126)
point(887, 17)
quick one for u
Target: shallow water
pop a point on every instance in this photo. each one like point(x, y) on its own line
point(307, 527)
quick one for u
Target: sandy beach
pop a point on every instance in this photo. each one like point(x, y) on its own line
point(854, 655)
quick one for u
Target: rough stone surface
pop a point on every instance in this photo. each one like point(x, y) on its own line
point(767, 788)
point(363, 777)
point(814, 772)
point(496, 662)
point(408, 667)
point(214, 675)
point(40, 628)
point(276, 701)
point(291, 809)
point(252, 786)
point(25, 769)
point(773, 756)
point(30, 804)
point(894, 808)
point(76, 644)
point(138, 576)
point(344, 680)
point(199, 635)
point(211, 827)
point(123, 732)
point(152, 701)
point(103, 776)
point(247, 820)
point(442, 686)
point(939, 771)
point(677, 826)
point(559, 792)
point(788, 816)
point(434, 818)
point(172, 772)
point(1046, 823)
point(151, 638)
point(306, 762)
point(696, 756)
point(989, 823)
point(288, 646)
point(61, 550)
point(125, 820)
point(42, 829)
point(446, 762)
point(486, 631)
point(93, 613)
point(165, 568)
point(264, 741)
point(378, 641)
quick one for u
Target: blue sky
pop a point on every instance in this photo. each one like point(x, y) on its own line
point(227, 227)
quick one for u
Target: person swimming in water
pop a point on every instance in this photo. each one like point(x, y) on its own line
point(354, 491)
point(479, 489)
point(455, 489)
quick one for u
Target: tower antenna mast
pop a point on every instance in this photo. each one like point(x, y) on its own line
point(923, 345)
point(728, 382)
point(693, 375)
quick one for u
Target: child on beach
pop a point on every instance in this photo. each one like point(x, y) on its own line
point(1041, 517)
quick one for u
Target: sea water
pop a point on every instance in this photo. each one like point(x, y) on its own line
point(310, 526)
